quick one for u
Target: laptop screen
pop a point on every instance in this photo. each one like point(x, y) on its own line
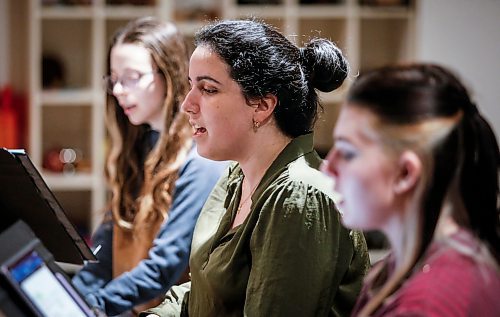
point(49, 292)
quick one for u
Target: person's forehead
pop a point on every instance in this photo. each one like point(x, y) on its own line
point(130, 55)
point(205, 62)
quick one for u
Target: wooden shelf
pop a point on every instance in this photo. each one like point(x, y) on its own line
point(127, 11)
point(323, 11)
point(66, 12)
point(66, 97)
point(79, 36)
point(68, 182)
point(386, 12)
point(267, 11)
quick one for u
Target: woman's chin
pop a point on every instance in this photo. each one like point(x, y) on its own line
point(206, 152)
point(349, 221)
point(346, 222)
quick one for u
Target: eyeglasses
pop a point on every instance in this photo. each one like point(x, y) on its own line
point(128, 82)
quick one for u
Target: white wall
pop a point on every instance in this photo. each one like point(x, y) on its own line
point(465, 36)
point(4, 42)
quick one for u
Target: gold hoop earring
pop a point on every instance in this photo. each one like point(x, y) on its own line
point(256, 125)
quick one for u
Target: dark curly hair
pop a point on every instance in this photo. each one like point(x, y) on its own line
point(263, 61)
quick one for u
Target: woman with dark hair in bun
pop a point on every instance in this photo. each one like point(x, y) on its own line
point(269, 240)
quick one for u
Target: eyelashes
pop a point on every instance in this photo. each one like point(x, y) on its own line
point(204, 89)
point(209, 91)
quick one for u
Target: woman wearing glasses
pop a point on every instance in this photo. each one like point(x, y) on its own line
point(158, 181)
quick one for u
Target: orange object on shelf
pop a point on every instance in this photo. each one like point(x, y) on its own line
point(12, 119)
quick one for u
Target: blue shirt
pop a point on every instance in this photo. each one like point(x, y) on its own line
point(167, 258)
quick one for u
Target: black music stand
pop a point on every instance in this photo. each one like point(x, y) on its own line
point(25, 196)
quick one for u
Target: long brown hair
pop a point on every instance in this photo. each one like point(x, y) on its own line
point(425, 108)
point(142, 188)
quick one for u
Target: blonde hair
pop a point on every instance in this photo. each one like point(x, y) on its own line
point(421, 138)
point(425, 109)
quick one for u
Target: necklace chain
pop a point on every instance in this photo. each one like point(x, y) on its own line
point(242, 202)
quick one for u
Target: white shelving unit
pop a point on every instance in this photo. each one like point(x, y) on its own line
point(370, 36)
point(73, 115)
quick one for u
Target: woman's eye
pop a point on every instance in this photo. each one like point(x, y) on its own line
point(129, 81)
point(209, 90)
point(347, 155)
point(345, 150)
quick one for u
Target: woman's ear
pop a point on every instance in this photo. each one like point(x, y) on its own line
point(264, 108)
point(410, 169)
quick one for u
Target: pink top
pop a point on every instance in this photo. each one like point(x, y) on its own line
point(448, 284)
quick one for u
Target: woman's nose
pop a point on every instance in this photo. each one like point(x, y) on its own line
point(329, 166)
point(189, 104)
point(118, 89)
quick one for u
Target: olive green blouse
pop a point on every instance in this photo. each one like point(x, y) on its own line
point(290, 257)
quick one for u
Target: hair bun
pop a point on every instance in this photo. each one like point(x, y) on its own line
point(325, 66)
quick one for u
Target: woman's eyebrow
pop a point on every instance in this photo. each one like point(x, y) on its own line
point(206, 77)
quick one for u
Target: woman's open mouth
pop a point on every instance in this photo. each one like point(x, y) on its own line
point(128, 109)
point(199, 130)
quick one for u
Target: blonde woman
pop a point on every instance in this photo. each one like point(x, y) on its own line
point(158, 181)
point(415, 159)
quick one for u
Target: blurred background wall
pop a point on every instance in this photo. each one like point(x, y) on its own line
point(465, 35)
